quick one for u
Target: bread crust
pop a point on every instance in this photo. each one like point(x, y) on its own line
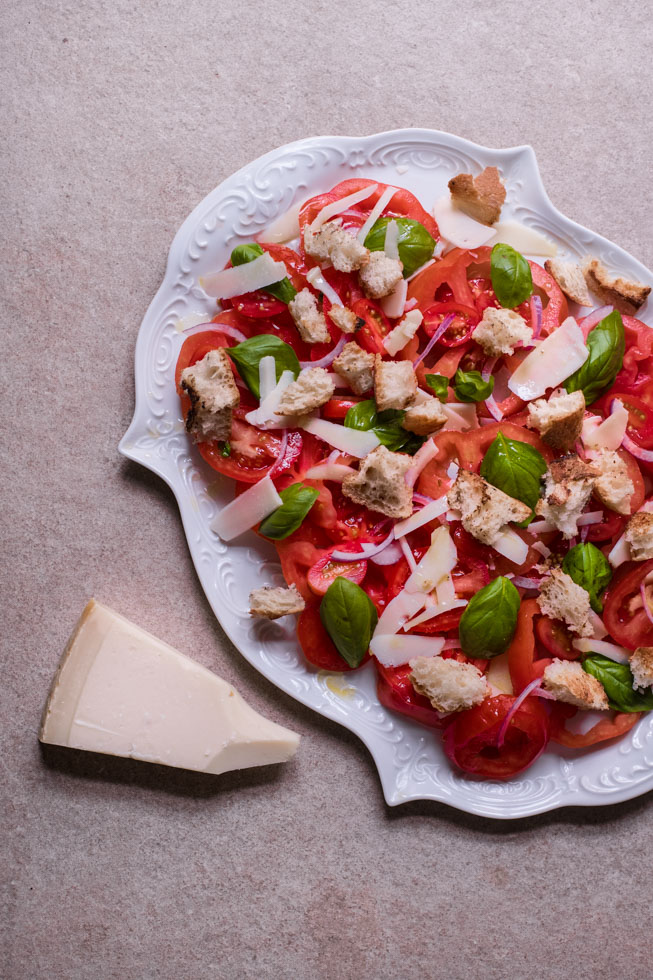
point(480, 197)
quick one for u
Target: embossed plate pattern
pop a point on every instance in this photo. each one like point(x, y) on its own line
point(410, 760)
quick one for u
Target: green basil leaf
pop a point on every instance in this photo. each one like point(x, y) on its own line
point(438, 385)
point(349, 617)
point(246, 357)
point(606, 343)
point(362, 416)
point(226, 449)
point(386, 425)
point(590, 569)
point(516, 468)
point(283, 290)
point(489, 620)
point(512, 280)
point(297, 501)
point(469, 386)
point(414, 243)
point(617, 679)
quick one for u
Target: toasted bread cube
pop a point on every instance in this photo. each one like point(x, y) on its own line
point(560, 598)
point(485, 510)
point(560, 420)
point(480, 197)
point(627, 295)
point(569, 277)
point(331, 243)
point(270, 603)
point(309, 320)
point(380, 275)
point(380, 483)
point(355, 366)
point(213, 393)
point(641, 665)
point(312, 389)
point(344, 318)
point(639, 535)
point(568, 485)
point(613, 486)
point(448, 684)
point(500, 331)
point(425, 418)
point(568, 682)
point(395, 384)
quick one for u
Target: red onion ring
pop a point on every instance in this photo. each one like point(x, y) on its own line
point(452, 644)
point(647, 608)
point(536, 316)
point(593, 517)
point(522, 582)
point(423, 456)
point(522, 697)
point(589, 322)
point(584, 533)
point(222, 327)
point(367, 552)
point(645, 455)
point(328, 358)
point(442, 329)
point(422, 499)
point(389, 556)
point(490, 401)
point(539, 692)
point(282, 452)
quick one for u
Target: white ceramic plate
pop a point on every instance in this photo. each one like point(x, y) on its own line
point(410, 760)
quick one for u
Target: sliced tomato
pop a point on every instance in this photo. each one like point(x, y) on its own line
point(555, 638)
point(337, 408)
point(640, 413)
point(450, 271)
point(624, 615)
point(611, 526)
point(395, 691)
point(554, 303)
point(607, 728)
point(522, 664)
point(253, 452)
point(403, 203)
point(471, 741)
point(327, 569)
point(319, 649)
point(375, 327)
point(636, 370)
point(258, 304)
point(460, 332)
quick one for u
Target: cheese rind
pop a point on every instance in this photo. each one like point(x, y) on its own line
point(121, 691)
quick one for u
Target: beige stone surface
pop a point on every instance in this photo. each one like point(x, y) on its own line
point(117, 119)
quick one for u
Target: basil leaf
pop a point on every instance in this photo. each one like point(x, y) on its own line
point(349, 617)
point(297, 501)
point(362, 416)
point(283, 290)
point(469, 386)
point(226, 449)
point(489, 620)
point(512, 280)
point(386, 425)
point(246, 357)
point(606, 343)
point(617, 679)
point(590, 569)
point(438, 385)
point(414, 243)
point(516, 468)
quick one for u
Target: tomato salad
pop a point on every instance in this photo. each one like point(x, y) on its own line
point(455, 470)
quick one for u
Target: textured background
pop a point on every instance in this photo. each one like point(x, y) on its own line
point(117, 119)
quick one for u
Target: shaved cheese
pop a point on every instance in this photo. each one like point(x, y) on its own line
point(393, 651)
point(398, 611)
point(511, 546)
point(540, 527)
point(247, 510)
point(284, 228)
point(523, 239)
point(265, 413)
point(430, 512)
point(267, 376)
point(597, 625)
point(460, 416)
point(337, 207)
point(587, 645)
point(434, 611)
point(391, 244)
point(436, 564)
point(336, 472)
point(554, 360)
point(446, 591)
point(377, 211)
point(542, 548)
point(393, 305)
point(261, 272)
point(404, 332)
point(498, 675)
point(318, 282)
point(620, 552)
point(457, 227)
point(608, 434)
point(356, 442)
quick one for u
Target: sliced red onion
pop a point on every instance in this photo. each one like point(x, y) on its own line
point(593, 517)
point(522, 697)
point(645, 455)
point(369, 550)
point(282, 453)
point(536, 315)
point(452, 644)
point(389, 556)
point(222, 327)
point(408, 555)
point(589, 322)
point(522, 582)
point(442, 329)
point(584, 533)
point(647, 608)
point(483, 421)
point(580, 450)
point(420, 498)
point(423, 456)
point(539, 692)
point(328, 358)
point(490, 401)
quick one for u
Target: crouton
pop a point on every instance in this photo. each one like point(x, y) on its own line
point(331, 243)
point(270, 603)
point(425, 418)
point(213, 393)
point(560, 420)
point(569, 277)
point(613, 486)
point(448, 684)
point(344, 318)
point(355, 366)
point(395, 384)
point(560, 598)
point(568, 682)
point(568, 485)
point(380, 275)
point(500, 331)
point(641, 666)
point(627, 295)
point(639, 535)
point(309, 320)
point(397, 339)
point(480, 197)
point(312, 388)
point(380, 483)
point(485, 510)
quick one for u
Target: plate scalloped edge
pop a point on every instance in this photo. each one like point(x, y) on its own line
point(410, 761)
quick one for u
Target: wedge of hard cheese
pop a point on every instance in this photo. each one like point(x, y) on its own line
point(120, 691)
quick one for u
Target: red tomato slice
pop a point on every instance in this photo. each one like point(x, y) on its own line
point(460, 332)
point(253, 452)
point(395, 691)
point(376, 326)
point(337, 408)
point(452, 270)
point(640, 415)
point(258, 304)
point(605, 729)
point(522, 664)
point(403, 203)
point(471, 740)
point(555, 638)
point(327, 569)
point(316, 643)
point(623, 612)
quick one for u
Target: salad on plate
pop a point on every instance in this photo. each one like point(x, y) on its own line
point(451, 447)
